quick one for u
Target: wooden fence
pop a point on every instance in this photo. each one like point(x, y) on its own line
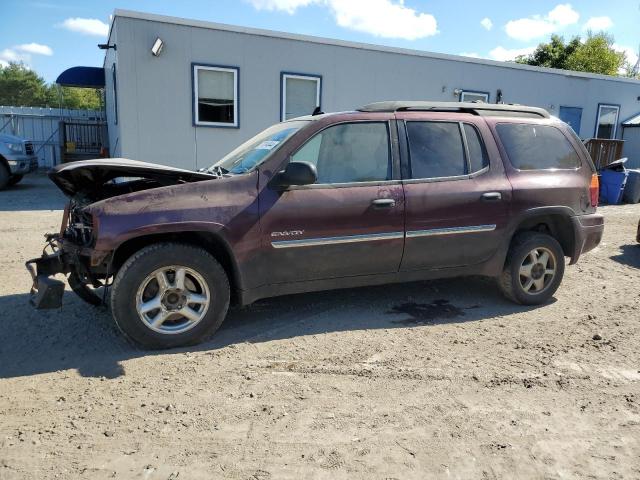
point(604, 151)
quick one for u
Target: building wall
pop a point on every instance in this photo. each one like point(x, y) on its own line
point(155, 93)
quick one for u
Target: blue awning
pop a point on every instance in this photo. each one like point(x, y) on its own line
point(83, 77)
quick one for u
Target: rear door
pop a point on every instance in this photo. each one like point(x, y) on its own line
point(351, 222)
point(456, 192)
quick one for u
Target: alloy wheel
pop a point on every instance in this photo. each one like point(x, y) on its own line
point(172, 299)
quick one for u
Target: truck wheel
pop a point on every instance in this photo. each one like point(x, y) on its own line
point(169, 295)
point(15, 179)
point(533, 270)
point(4, 176)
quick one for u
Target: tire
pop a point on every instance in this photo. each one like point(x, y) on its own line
point(81, 289)
point(15, 179)
point(137, 285)
point(514, 285)
point(4, 176)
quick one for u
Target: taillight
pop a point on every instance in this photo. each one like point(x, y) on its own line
point(594, 189)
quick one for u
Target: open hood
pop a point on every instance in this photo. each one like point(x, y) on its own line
point(93, 179)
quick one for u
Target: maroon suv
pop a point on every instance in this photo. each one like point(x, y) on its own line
point(392, 192)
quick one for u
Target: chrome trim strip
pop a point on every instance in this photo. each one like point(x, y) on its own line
point(450, 231)
point(309, 242)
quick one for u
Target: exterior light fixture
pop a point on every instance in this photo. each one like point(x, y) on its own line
point(157, 47)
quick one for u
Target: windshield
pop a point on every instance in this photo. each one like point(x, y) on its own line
point(256, 150)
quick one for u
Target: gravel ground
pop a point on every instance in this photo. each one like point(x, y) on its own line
point(441, 379)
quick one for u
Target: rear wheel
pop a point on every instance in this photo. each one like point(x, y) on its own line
point(15, 179)
point(533, 270)
point(169, 295)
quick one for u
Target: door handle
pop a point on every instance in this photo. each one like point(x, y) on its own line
point(383, 203)
point(491, 196)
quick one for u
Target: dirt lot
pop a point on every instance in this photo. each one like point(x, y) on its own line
point(440, 379)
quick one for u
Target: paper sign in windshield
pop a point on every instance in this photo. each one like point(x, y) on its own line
point(267, 145)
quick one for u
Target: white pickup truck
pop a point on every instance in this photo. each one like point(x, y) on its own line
point(17, 158)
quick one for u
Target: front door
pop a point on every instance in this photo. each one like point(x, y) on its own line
point(457, 194)
point(351, 222)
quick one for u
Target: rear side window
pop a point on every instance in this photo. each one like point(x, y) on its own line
point(537, 147)
point(478, 158)
point(349, 152)
point(436, 149)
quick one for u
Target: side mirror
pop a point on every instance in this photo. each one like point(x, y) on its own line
point(296, 173)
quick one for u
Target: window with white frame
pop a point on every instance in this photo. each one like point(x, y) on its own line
point(471, 96)
point(215, 96)
point(300, 95)
point(607, 123)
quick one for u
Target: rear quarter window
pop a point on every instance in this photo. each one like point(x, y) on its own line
point(537, 147)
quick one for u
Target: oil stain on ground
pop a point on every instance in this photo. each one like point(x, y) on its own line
point(423, 313)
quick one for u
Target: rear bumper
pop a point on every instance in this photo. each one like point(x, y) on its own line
point(588, 230)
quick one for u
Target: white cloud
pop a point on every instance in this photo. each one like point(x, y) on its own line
point(87, 26)
point(382, 18)
point(563, 14)
point(504, 54)
point(540, 26)
point(35, 48)
point(289, 6)
point(11, 55)
point(486, 23)
point(598, 24)
point(470, 54)
point(630, 52)
point(22, 53)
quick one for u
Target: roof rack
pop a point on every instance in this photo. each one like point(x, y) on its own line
point(475, 108)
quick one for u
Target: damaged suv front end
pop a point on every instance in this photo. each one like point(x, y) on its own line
point(74, 250)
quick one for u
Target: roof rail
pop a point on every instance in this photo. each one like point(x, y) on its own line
point(476, 108)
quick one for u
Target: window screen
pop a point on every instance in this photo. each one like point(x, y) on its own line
point(537, 147)
point(607, 121)
point(435, 150)
point(216, 95)
point(478, 158)
point(301, 95)
point(350, 152)
point(469, 96)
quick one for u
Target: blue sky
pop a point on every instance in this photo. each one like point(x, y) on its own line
point(52, 35)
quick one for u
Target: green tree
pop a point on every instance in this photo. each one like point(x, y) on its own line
point(551, 55)
point(22, 87)
point(595, 54)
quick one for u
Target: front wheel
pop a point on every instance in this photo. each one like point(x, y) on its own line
point(15, 179)
point(169, 295)
point(533, 270)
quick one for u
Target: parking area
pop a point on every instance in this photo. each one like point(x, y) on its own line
point(439, 379)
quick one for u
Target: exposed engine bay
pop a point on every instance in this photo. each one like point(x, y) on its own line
point(70, 251)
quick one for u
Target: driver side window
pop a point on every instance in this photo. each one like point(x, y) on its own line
point(349, 152)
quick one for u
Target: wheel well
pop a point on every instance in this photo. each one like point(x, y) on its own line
point(210, 242)
point(4, 163)
point(556, 225)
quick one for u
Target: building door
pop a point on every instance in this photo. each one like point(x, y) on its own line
point(572, 116)
point(456, 202)
point(351, 222)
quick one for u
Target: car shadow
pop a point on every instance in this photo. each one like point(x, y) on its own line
point(629, 255)
point(84, 338)
point(34, 192)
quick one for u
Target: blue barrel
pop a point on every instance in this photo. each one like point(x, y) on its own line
point(612, 185)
